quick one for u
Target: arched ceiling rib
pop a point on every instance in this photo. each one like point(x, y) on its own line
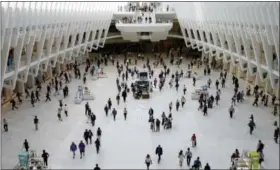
point(254, 26)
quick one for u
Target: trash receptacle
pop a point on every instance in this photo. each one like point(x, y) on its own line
point(23, 158)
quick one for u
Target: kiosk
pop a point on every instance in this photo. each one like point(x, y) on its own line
point(29, 161)
point(143, 86)
point(248, 160)
point(83, 94)
point(202, 90)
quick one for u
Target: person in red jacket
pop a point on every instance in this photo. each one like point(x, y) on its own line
point(193, 140)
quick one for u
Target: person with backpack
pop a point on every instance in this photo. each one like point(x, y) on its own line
point(251, 125)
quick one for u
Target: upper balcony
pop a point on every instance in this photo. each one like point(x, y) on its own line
point(144, 27)
point(143, 23)
point(157, 9)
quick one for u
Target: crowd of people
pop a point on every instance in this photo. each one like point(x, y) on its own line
point(128, 70)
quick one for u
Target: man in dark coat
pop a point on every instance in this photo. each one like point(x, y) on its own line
point(109, 103)
point(96, 167)
point(114, 113)
point(97, 145)
point(86, 108)
point(118, 98)
point(26, 145)
point(92, 118)
point(86, 136)
point(45, 157)
point(106, 110)
point(124, 94)
point(99, 133)
point(276, 135)
point(36, 122)
point(159, 152)
point(157, 125)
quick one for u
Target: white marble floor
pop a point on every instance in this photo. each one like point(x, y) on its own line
point(126, 143)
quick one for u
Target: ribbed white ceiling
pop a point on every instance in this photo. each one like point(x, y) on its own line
point(72, 6)
point(248, 13)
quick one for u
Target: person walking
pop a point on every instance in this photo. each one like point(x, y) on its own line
point(231, 111)
point(188, 156)
point(5, 125)
point(36, 122)
point(125, 113)
point(82, 149)
point(13, 102)
point(26, 145)
point(73, 149)
point(45, 156)
point(96, 167)
point(148, 161)
point(97, 145)
point(159, 152)
point(181, 158)
point(66, 110)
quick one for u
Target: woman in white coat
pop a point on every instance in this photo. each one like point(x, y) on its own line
point(148, 161)
point(181, 157)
